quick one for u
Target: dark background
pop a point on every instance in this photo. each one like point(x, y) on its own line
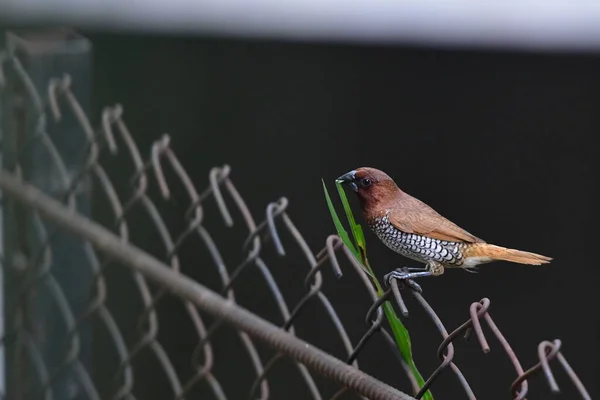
point(502, 143)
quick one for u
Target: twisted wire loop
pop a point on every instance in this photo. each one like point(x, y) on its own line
point(162, 150)
point(548, 351)
point(148, 322)
point(253, 258)
point(313, 280)
point(445, 351)
point(154, 279)
point(478, 310)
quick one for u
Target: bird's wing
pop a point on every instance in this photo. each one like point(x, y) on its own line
point(414, 216)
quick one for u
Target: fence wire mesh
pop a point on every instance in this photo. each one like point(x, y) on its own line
point(51, 329)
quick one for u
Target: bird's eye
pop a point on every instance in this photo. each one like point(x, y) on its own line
point(365, 182)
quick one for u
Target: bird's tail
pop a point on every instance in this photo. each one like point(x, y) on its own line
point(493, 252)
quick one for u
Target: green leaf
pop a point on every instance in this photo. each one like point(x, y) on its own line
point(338, 224)
point(359, 250)
point(357, 231)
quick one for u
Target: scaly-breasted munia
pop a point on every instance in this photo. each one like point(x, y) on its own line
point(413, 229)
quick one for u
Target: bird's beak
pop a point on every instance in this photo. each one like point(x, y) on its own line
point(349, 179)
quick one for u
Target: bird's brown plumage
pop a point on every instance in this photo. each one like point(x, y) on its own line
point(407, 213)
point(382, 197)
point(413, 216)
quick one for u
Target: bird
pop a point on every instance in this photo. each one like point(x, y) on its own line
point(413, 229)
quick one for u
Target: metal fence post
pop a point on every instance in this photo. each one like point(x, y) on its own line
point(34, 59)
point(2, 313)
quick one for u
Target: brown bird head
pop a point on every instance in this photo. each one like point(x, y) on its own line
point(372, 186)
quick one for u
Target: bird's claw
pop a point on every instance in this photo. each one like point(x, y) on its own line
point(399, 274)
point(406, 275)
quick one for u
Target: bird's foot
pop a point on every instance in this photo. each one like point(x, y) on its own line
point(407, 274)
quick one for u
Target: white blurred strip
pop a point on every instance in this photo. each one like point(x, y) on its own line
point(534, 24)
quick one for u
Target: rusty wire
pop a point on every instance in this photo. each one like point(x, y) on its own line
point(275, 229)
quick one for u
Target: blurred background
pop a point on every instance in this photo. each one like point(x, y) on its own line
point(487, 112)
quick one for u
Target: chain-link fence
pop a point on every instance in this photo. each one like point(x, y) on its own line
point(86, 309)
